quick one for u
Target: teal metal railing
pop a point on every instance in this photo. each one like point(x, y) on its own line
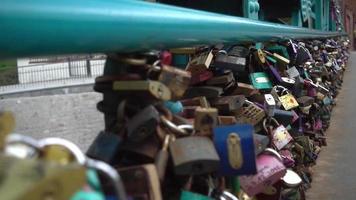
point(43, 27)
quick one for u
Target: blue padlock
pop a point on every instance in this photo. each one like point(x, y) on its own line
point(236, 149)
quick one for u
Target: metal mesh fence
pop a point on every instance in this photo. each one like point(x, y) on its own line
point(50, 72)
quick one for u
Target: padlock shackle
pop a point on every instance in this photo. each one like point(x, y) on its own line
point(268, 120)
point(172, 127)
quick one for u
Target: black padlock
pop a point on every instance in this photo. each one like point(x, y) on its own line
point(143, 124)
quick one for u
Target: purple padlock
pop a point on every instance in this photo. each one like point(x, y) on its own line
point(317, 124)
point(287, 158)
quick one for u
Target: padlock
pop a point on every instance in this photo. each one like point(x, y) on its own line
point(174, 107)
point(270, 169)
point(284, 97)
point(250, 113)
point(92, 190)
point(285, 117)
point(235, 146)
point(162, 158)
point(143, 124)
point(7, 125)
point(201, 77)
point(244, 89)
point(200, 63)
point(221, 80)
point(153, 89)
point(186, 194)
point(207, 91)
point(196, 101)
point(21, 146)
point(35, 179)
point(205, 121)
point(293, 72)
point(261, 143)
point(269, 105)
point(60, 151)
point(176, 80)
point(228, 104)
point(194, 155)
point(227, 120)
point(231, 62)
point(147, 152)
point(260, 80)
point(279, 134)
point(141, 182)
point(287, 158)
point(105, 147)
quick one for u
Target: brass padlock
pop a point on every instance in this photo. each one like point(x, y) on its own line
point(250, 113)
point(205, 120)
point(176, 80)
point(200, 63)
point(153, 89)
point(141, 182)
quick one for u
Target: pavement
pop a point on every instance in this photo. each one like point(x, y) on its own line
point(335, 173)
point(69, 116)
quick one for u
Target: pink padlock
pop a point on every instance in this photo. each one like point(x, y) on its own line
point(270, 170)
point(317, 125)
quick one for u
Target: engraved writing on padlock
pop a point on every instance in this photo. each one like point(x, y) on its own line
point(269, 170)
point(194, 155)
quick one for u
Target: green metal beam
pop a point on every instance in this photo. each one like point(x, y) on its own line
point(43, 27)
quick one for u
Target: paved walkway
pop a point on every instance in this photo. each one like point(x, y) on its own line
point(70, 116)
point(335, 172)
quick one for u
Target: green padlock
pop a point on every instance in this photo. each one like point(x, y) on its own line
point(260, 80)
point(95, 192)
point(187, 195)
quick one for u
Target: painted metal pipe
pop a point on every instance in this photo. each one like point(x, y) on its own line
point(43, 27)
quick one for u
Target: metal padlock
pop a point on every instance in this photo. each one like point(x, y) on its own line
point(250, 113)
point(162, 158)
point(196, 101)
point(285, 98)
point(153, 89)
point(201, 77)
point(105, 147)
point(227, 120)
point(269, 104)
point(231, 62)
point(207, 91)
point(38, 180)
point(261, 143)
point(141, 182)
point(205, 121)
point(200, 63)
point(194, 155)
point(270, 169)
point(176, 80)
point(143, 124)
point(260, 80)
point(222, 80)
point(7, 125)
point(235, 146)
point(229, 104)
point(245, 89)
point(280, 136)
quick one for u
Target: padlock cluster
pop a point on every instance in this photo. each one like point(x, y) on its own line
point(237, 122)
